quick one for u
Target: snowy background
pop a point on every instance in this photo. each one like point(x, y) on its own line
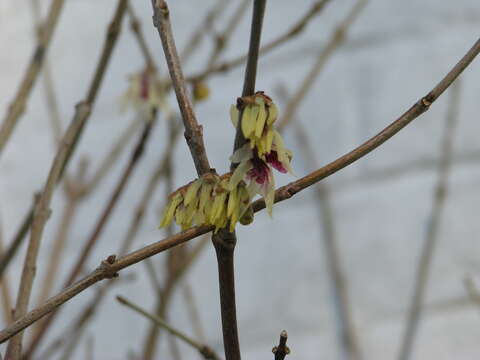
point(396, 52)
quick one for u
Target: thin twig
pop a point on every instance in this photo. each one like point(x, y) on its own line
point(137, 153)
point(422, 273)
point(342, 305)
point(18, 105)
point(5, 289)
point(222, 39)
point(110, 268)
point(41, 214)
point(59, 242)
point(136, 28)
point(473, 293)
point(192, 308)
point(205, 26)
point(282, 350)
point(193, 131)
point(204, 350)
point(224, 241)
point(81, 111)
point(290, 34)
point(338, 38)
point(50, 96)
point(347, 335)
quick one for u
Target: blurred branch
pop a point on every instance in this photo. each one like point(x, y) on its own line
point(282, 350)
point(473, 293)
point(125, 177)
point(204, 350)
point(40, 217)
point(433, 226)
point(82, 113)
point(223, 38)
point(18, 105)
point(50, 97)
point(199, 32)
point(290, 34)
point(136, 28)
point(111, 267)
point(337, 39)
point(5, 288)
point(193, 310)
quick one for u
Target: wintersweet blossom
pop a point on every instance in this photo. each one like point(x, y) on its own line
point(258, 113)
point(257, 172)
point(144, 92)
point(209, 200)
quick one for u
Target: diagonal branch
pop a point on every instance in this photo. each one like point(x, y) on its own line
point(110, 268)
point(18, 105)
point(433, 226)
point(193, 130)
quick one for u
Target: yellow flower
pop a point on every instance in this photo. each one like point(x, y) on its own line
point(209, 201)
point(258, 114)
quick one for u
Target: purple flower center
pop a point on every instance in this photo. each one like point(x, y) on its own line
point(272, 159)
point(259, 172)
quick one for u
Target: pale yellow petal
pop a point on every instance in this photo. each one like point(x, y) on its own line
point(248, 122)
point(170, 210)
point(261, 118)
point(234, 115)
point(192, 191)
point(272, 114)
point(239, 173)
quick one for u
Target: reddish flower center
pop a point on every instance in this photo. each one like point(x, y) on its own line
point(272, 159)
point(259, 171)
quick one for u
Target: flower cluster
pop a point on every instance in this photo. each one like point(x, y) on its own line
point(264, 148)
point(144, 92)
point(209, 201)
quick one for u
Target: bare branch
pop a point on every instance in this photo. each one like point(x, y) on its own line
point(338, 38)
point(18, 105)
point(431, 237)
point(193, 131)
point(290, 34)
point(109, 269)
point(204, 350)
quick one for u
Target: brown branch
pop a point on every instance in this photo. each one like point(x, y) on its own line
point(18, 105)
point(136, 28)
point(111, 268)
point(50, 97)
point(5, 289)
point(111, 39)
point(40, 217)
point(193, 131)
point(102, 221)
point(433, 227)
point(223, 38)
point(346, 332)
point(206, 25)
point(282, 350)
point(290, 34)
point(338, 38)
point(204, 350)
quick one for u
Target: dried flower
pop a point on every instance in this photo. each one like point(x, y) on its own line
point(144, 92)
point(209, 201)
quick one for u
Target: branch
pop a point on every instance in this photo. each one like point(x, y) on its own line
point(110, 268)
point(18, 105)
point(137, 153)
point(111, 39)
point(290, 34)
point(204, 350)
point(40, 217)
point(282, 350)
point(338, 38)
point(433, 226)
point(193, 131)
